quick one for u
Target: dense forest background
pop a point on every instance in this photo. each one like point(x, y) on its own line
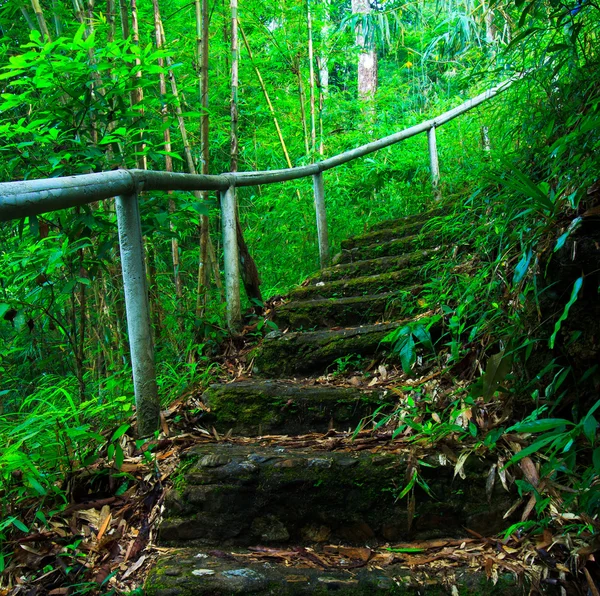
point(94, 86)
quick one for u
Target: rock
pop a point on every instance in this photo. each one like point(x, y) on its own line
point(302, 495)
point(281, 407)
point(230, 573)
point(270, 529)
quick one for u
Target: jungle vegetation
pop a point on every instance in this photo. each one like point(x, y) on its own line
point(94, 86)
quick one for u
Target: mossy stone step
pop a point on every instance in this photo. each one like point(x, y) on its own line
point(418, 218)
point(360, 286)
point(296, 353)
point(382, 235)
point(258, 407)
point(205, 572)
point(245, 494)
point(399, 246)
point(345, 312)
point(372, 266)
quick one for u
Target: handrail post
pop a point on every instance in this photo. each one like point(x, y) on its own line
point(434, 163)
point(485, 142)
point(232, 262)
point(319, 191)
point(138, 313)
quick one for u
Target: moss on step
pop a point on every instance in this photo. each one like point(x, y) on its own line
point(287, 354)
point(399, 246)
point(372, 266)
point(240, 494)
point(356, 310)
point(279, 407)
point(199, 572)
point(418, 218)
point(382, 235)
point(360, 286)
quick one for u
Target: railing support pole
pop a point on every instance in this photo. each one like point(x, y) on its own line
point(485, 142)
point(319, 190)
point(434, 163)
point(138, 313)
point(232, 262)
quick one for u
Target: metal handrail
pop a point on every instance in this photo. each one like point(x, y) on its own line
point(33, 197)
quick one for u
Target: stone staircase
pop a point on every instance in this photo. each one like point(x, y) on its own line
point(291, 505)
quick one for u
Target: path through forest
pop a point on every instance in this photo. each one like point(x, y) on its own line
point(291, 502)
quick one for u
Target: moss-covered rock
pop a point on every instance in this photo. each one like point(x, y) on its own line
point(360, 286)
point(200, 572)
point(345, 312)
point(383, 235)
point(399, 246)
point(419, 219)
point(242, 494)
point(279, 407)
point(372, 266)
point(288, 354)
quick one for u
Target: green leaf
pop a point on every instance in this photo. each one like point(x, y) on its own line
point(563, 237)
point(119, 456)
point(539, 426)
point(522, 266)
point(533, 448)
point(596, 459)
point(17, 523)
point(423, 336)
point(497, 368)
point(590, 425)
point(120, 432)
point(576, 287)
point(405, 550)
point(36, 485)
point(410, 484)
point(407, 351)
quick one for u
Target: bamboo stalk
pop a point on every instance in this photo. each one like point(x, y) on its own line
point(202, 60)
point(233, 155)
point(39, 15)
point(267, 98)
point(313, 128)
point(110, 19)
point(137, 95)
point(167, 143)
point(187, 151)
point(58, 26)
point(27, 17)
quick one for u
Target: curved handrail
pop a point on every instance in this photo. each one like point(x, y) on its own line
point(33, 197)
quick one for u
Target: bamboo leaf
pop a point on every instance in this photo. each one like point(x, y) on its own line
point(574, 293)
point(497, 368)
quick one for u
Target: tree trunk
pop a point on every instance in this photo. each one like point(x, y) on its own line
point(367, 58)
point(137, 95)
point(37, 9)
point(167, 142)
point(249, 271)
point(202, 61)
point(311, 64)
point(187, 151)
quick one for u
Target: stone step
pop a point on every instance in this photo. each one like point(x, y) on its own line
point(359, 286)
point(312, 352)
point(255, 408)
point(382, 235)
point(399, 246)
point(372, 266)
point(417, 219)
point(298, 571)
point(234, 494)
point(345, 312)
